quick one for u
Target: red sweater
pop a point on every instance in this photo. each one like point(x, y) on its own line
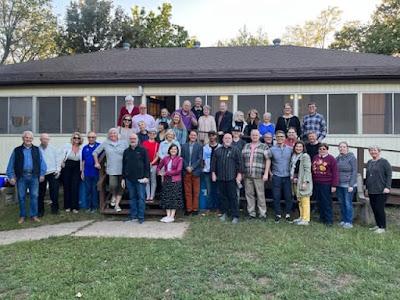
point(324, 170)
point(152, 149)
point(124, 111)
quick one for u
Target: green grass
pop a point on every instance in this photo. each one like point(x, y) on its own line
point(253, 260)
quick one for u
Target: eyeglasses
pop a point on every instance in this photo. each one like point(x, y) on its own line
point(322, 149)
point(128, 120)
point(76, 138)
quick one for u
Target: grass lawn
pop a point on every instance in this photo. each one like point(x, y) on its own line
point(252, 260)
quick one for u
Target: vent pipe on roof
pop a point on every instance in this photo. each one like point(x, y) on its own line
point(276, 42)
point(126, 46)
point(196, 45)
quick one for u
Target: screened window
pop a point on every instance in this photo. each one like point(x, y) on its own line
point(20, 114)
point(48, 114)
point(320, 101)
point(3, 115)
point(247, 102)
point(397, 113)
point(214, 102)
point(74, 114)
point(102, 113)
point(342, 114)
point(377, 113)
point(275, 104)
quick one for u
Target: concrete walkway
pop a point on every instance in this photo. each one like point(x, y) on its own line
point(149, 229)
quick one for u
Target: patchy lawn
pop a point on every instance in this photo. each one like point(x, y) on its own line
point(253, 260)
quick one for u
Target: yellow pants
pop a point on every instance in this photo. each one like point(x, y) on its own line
point(304, 207)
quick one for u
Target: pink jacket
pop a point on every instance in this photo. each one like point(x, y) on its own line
point(176, 168)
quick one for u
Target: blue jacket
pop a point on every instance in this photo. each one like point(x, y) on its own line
point(197, 158)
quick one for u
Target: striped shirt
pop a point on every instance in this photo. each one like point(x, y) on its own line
point(227, 163)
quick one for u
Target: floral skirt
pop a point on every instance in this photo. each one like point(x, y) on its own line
point(171, 194)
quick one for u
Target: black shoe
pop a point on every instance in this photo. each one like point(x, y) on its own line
point(288, 218)
point(188, 213)
point(250, 218)
point(278, 218)
point(195, 213)
point(263, 218)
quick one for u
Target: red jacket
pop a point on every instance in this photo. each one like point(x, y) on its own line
point(176, 168)
point(124, 111)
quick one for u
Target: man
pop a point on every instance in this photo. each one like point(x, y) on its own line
point(312, 145)
point(89, 173)
point(27, 168)
point(208, 153)
point(128, 109)
point(53, 159)
point(192, 154)
point(227, 169)
point(143, 116)
point(237, 141)
point(223, 118)
point(255, 157)
point(188, 117)
point(280, 156)
point(197, 109)
point(314, 122)
point(142, 133)
point(136, 173)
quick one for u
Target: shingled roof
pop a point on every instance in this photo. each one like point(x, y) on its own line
point(219, 64)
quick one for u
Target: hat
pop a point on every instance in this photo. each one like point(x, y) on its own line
point(237, 128)
point(152, 130)
point(212, 132)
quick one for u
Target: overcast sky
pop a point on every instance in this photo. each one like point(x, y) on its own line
point(213, 20)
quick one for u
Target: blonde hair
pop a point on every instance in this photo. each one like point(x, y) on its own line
point(76, 133)
point(170, 131)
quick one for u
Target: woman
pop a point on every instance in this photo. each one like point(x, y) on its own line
point(125, 130)
point(164, 117)
point(179, 128)
point(162, 130)
point(266, 125)
point(347, 168)
point(151, 147)
point(114, 150)
point(288, 120)
point(206, 124)
point(171, 193)
point(164, 145)
point(325, 179)
point(71, 172)
point(238, 120)
point(291, 137)
point(378, 184)
point(300, 175)
point(252, 123)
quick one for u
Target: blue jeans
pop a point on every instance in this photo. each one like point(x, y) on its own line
point(323, 195)
point(346, 204)
point(279, 185)
point(137, 192)
point(92, 196)
point(212, 192)
point(25, 183)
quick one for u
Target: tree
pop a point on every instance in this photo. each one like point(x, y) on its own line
point(314, 33)
point(382, 35)
point(246, 38)
point(28, 30)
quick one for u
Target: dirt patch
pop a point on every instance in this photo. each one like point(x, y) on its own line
point(326, 282)
point(264, 281)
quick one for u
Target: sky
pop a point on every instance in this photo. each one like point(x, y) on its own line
point(213, 20)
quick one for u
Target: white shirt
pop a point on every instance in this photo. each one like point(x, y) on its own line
point(53, 158)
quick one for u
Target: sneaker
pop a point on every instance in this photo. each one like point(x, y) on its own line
point(35, 219)
point(164, 219)
point(278, 218)
point(374, 228)
point(295, 221)
point(380, 230)
point(169, 220)
point(141, 221)
point(117, 208)
point(21, 220)
point(68, 210)
point(222, 218)
point(235, 220)
point(250, 217)
point(75, 211)
point(347, 225)
point(131, 221)
point(341, 223)
point(112, 202)
point(302, 222)
point(288, 218)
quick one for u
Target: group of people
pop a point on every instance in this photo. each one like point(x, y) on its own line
point(228, 152)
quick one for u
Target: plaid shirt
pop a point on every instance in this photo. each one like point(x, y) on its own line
point(257, 167)
point(314, 123)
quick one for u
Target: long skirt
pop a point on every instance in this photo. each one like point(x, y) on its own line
point(171, 194)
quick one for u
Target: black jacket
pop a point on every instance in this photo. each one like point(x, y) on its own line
point(226, 122)
point(135, 164)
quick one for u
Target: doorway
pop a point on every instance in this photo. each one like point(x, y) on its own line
point(156, 103)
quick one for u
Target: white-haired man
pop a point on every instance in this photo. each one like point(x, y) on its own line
point(128, 109)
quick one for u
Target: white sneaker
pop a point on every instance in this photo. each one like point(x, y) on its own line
point(295, 221)
point(117, 208)
point(380, 230)
point(302, 222)
point(347, 225)
point(169, 220)
point(112, 202)
point(164, 219)
point(341, 223)
point(374, 228)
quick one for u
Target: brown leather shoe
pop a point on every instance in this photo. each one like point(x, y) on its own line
point(35, 219)
point(21, 220)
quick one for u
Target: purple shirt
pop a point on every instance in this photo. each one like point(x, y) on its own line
point(187, 118)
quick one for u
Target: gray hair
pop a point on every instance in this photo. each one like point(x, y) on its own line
point(374, 147)
point(27, 132)
point(129, 98)
point(267, 114)
point(113, 129)
point(207, 107)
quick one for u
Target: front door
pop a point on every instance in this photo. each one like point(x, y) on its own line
point(156, 103)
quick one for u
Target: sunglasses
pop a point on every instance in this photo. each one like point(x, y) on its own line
point(76, 138)
point(322, 149)
point(128, 120)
